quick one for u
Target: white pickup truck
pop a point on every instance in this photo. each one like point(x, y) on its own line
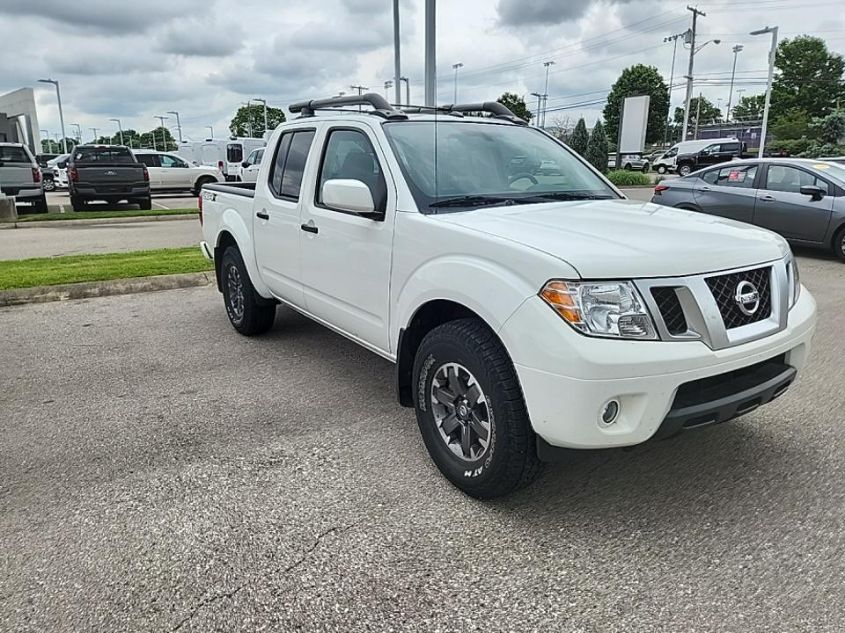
point(528, 312)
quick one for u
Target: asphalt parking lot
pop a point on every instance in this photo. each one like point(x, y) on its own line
point(159, 472)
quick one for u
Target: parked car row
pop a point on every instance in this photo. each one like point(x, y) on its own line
point(20, 176)
point(801, 199)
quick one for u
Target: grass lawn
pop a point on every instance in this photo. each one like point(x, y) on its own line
point(82, 215)
point(49, 271)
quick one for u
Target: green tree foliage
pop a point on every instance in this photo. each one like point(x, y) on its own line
point(597, 148)
point(516, 104)
point(809, 77)
point(830, 129)
point(249, 120)
point(749, 108)
point(708, 113)
point(55, 147)
point(639, 80)
point(580, 137)
point(159, 138)
point(794, 123)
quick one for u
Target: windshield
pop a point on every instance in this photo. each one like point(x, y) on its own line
point(462, 165)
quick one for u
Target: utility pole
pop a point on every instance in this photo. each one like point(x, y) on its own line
point(539, 101)
point(360, 90)
point(736, 49)
point(456, 67)
point(94, 130)
point(61, 112)
point(688, 99)
point(430, 53)
point(546, 92)
point(407, 90)
point(397, 66)
point(674, 40)
point(178, 123)
point(120, 129)
point(774, 31)
point(163, 128)
point(78, 131)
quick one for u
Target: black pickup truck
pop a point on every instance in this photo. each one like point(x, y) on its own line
point(720, 152)
point(107, 172)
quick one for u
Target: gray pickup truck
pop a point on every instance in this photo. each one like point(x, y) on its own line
point(107, 172)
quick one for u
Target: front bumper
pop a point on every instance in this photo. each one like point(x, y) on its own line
point(567, 378)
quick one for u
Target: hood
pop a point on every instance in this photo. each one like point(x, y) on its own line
point(605, 239)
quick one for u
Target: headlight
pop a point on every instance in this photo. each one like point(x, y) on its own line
point(794, 281)
point(612, 309)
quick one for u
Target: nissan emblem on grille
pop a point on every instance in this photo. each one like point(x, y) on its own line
point(747, 297)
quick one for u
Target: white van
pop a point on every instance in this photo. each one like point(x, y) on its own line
point(226, 155)
point(666, 162)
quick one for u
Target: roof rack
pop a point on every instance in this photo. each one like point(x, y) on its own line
point(379, 104)
point(498, 110)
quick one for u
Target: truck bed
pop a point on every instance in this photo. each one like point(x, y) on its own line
point(244, 189)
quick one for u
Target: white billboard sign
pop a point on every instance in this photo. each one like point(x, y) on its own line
point(632, 127)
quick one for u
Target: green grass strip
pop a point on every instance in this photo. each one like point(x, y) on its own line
point(50, 271)
point(93, 215)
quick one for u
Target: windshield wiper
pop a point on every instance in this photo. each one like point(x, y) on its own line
point(473, 201)
point(569, 195)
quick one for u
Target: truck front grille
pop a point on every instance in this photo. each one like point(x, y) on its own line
point(670, 308)
point(724, 289)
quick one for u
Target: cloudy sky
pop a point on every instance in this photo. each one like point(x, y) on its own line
point(137, 59)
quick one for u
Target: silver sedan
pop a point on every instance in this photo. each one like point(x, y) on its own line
point(802, 199)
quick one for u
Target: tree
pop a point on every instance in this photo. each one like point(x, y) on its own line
point(708, 113)
point(159, 138)
point(830, 128)
point(793, 124)
point(249, 120)
point(516, 104)
point(580, 137)
point(639, 80)
point(597, 148)
point(809, 77)
point(749, 108)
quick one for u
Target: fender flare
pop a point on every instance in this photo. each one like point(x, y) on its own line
point(232, 222)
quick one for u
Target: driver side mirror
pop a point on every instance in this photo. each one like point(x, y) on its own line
point(352, 196)
point(815, 193)
point(245, 164)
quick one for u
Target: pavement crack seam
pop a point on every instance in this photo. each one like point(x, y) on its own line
point(230, 594)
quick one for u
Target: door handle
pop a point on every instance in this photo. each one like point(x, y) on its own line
point(263, 214)
point(767, 198)
point(309, 227)
point(704, 188)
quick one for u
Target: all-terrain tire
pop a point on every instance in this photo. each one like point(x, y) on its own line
point(249, 313)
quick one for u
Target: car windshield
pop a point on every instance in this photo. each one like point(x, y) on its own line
point(455, 165)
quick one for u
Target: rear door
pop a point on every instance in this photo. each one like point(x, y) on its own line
point(728, 191)
point(15, 168)
point(782, 207)
point(154, 169)
point(346, 258)
point(276, 232)
point(175, 172)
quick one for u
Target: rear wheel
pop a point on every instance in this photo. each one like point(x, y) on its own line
point(202, 181)
point(145, 204)
point(78, 204)
point(684, 170)
point(839, 244)
point(49, 184)
point(627, 166)
point(645, 168)
point(470, 410)
point(248, 313)
point(40, 205)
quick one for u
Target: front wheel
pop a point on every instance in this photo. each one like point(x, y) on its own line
point(201, 182)
point(471, 412)
point(248, 313)
point(839, 244)
point(661, 169)
point(78, 204)
point(684, 170)
point(40, 205)
point(49, 184)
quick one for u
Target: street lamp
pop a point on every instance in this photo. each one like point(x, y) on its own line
point(78, 131)
point(539, 100)
point(407, 89)
point(736, 50)
point(61, 112)
point(94, 131)
point(674, 39)
point(546, 92)
point(264, 101)
point(455, 67)
point(387, 86)
point(178, 123)
point(774, 31)
point(120, 129)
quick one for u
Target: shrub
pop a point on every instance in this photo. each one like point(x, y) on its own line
point(597, 148)
point(623, 178)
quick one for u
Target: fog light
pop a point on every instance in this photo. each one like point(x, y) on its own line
point(609, 412)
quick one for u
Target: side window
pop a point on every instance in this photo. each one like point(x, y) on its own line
point(150, 160)
point(790, 179)
point(710, 149)
point(710, 176)
point(171, 161)
point(740, 176)
point(289, 163)
point(350, 155)
point(730, 148)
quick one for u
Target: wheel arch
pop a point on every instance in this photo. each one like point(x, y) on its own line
point(235, 232)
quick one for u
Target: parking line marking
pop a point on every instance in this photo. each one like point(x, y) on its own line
point(159, 205)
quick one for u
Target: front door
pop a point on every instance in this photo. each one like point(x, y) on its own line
point(276, 206)
point(175, 173)
point(346, 258)
point(728, 192)
point(781, 207)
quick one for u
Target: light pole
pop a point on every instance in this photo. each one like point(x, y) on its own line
point(387, 86)
point(94, 130)
point(264, 101)
point(456, 67)
point(162, 119)
point(736, 50)
point(430, 53)
point(407, 90)
point(693, 51)
point(774, 31)
point(397, 66)
point(119, 128)
point(178, 123)
point(674, 39)
point(546, 92)
point(78, 131)
point(61, 112)
point(539, 101)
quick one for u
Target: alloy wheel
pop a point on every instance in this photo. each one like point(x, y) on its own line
point(235, 288)
point(461, 412)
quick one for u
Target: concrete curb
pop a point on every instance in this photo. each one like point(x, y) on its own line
point(88, 289)
point(34, 224)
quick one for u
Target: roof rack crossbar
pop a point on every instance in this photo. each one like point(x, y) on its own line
point(380, 105)
point(495, 108)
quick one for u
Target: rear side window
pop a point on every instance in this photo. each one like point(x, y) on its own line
point(289, 163)
point(102, 155)
point(737, 176)
point(235, 153)
point(350, 155)
point(11, 154)
point(732, 148)
point(150, 160)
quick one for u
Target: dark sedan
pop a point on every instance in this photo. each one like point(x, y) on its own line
point(802, 199)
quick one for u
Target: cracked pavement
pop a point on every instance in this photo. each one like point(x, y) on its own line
point(159, 472)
